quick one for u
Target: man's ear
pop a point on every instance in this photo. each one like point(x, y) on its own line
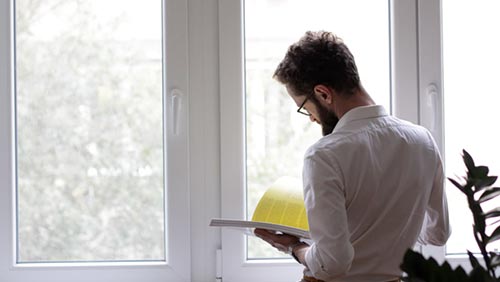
point(324, 94)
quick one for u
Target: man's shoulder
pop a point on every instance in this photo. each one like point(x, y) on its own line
point(410, 126)
point(331, 144)
point(347, 139)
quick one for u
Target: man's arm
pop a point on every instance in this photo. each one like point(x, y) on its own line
point(436, 229)
point(331, 254)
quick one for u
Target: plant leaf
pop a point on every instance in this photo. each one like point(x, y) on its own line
point(492, 213)
point(480, 275)
point(495, 235)
point(459, 273)
point(469, 162)
point(495, 259)
point(419, 268)
point(474, 172)
point(480, 172)
point(462, 188)
point(494, 222)
point(484, 182)
point(479, 228)
point(473, 260)
point(489, 194)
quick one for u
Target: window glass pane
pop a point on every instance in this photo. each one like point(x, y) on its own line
point(276, 135)
point(471, 59)
point(89, 130)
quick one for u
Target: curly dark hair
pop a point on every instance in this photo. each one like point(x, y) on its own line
point(318, 58)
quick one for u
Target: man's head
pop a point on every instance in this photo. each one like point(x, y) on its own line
point(317, 65)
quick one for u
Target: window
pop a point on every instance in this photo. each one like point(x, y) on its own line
point(89, 131)
point(92, 132)
point(262, 135)
point(470, 60)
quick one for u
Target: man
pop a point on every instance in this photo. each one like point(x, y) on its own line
point(373, 185)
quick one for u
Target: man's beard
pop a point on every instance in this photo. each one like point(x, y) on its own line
point(328, 119)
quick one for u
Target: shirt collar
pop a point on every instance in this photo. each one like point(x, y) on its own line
point(363, 112)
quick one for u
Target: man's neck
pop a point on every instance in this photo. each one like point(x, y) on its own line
point(346, 103)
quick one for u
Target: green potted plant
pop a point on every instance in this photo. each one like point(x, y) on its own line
point(477, 187)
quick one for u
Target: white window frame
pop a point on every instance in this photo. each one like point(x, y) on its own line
point(177, 265)
point(416, 86)
point(431, 101)
point(231, 62)
point(430, 85)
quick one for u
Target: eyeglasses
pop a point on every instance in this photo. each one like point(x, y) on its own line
point(302, 110)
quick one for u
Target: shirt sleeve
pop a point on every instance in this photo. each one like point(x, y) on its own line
point(331, 253)
point(436, 228)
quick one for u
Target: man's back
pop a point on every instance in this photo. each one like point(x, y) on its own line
point(368, 186)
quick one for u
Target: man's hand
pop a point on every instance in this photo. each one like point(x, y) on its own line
point(284, 243)
point(279, 241)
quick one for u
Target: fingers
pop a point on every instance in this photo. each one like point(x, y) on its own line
point(261, 232)
point(270, 237)
point(265, 235)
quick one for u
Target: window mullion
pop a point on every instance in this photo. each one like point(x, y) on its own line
point(404, 64)
point(430, 82)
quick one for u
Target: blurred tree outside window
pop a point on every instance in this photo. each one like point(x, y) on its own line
point(89, 123)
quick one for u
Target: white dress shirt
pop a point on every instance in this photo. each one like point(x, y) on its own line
point(368, 188)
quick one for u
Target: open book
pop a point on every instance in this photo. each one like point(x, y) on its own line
point(280, 209)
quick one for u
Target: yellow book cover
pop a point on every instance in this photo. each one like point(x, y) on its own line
point(280, 209)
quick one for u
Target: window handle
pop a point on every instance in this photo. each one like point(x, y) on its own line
point(175, 104)
point(432, 103)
